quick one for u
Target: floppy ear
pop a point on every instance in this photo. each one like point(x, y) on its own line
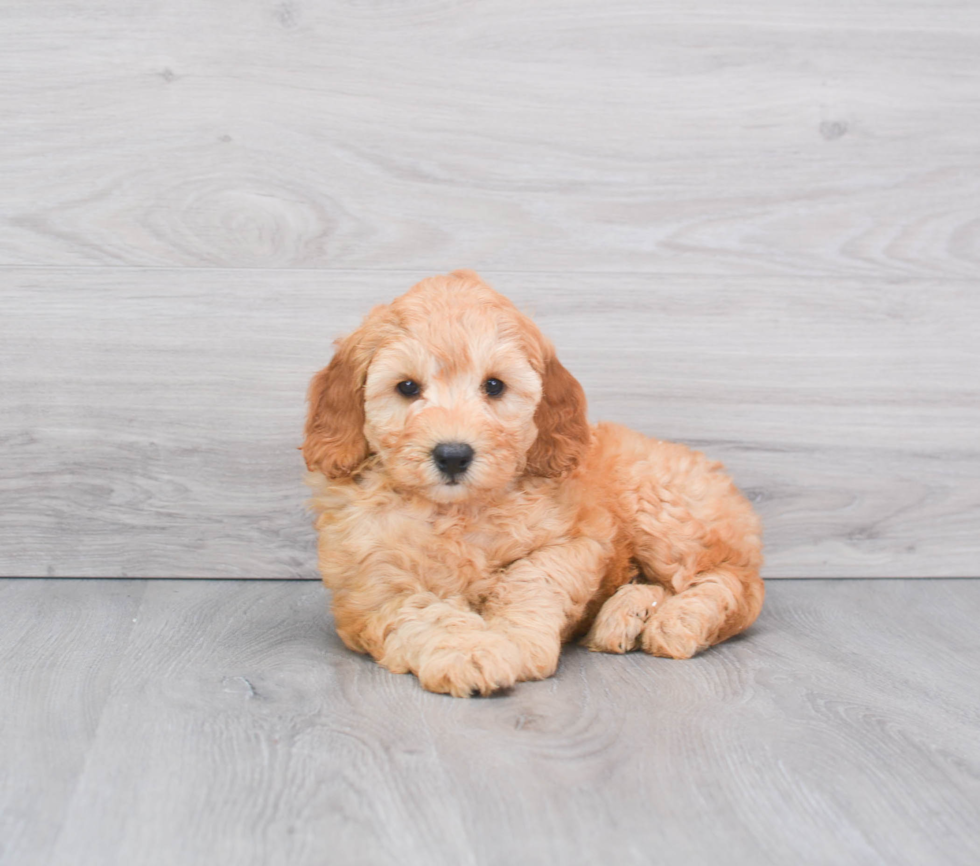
point(563, 429)
point(335, 444)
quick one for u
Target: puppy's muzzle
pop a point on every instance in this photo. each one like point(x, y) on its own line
point(452, 459)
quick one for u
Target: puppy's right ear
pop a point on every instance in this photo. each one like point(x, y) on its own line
point(335, 443)
point(563, 427)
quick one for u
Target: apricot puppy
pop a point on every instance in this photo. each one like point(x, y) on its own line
point(471, 520)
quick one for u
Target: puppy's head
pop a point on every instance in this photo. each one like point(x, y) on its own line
point(453, 389)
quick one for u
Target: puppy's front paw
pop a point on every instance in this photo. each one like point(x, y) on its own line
point(621, 619)
point(482, 662)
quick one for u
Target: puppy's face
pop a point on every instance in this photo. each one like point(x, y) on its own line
point(449, 404)
point(452, 389)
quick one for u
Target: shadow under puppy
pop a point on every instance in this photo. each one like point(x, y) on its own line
point(471, 520)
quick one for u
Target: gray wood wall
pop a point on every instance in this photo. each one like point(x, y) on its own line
point(753, 229)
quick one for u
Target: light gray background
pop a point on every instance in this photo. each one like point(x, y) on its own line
point(753, 226)
point(755, 229)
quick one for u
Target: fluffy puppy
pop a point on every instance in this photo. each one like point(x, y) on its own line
point(471, 520)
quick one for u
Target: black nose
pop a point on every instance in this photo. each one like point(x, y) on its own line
point(452, 458)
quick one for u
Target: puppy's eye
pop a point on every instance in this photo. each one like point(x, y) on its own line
point(408, 388)
point(493, 387)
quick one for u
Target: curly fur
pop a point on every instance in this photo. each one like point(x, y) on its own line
point(558, 529)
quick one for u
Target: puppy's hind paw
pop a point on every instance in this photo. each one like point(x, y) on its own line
point(621, 619)
point(678, 631)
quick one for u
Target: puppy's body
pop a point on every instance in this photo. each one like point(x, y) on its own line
point(552, 528)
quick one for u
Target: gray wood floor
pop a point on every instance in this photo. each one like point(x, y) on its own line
point(204, 722)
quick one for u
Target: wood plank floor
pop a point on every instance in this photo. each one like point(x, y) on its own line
point(204, 722)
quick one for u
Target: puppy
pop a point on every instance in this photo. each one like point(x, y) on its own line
point(471, 520)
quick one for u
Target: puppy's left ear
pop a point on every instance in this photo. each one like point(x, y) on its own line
point(335, 443)
point(563, 428)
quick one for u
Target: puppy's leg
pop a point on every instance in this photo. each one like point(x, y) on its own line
point(445, 644)
point(700, 538)
point(450, 650)
point(620, 620)
point(538, 601)
point(714, 606)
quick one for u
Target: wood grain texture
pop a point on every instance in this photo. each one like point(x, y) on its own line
point(60, 646)
point(622, 135)
point(149, 419)
point(753, 229)
point(237, 729)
